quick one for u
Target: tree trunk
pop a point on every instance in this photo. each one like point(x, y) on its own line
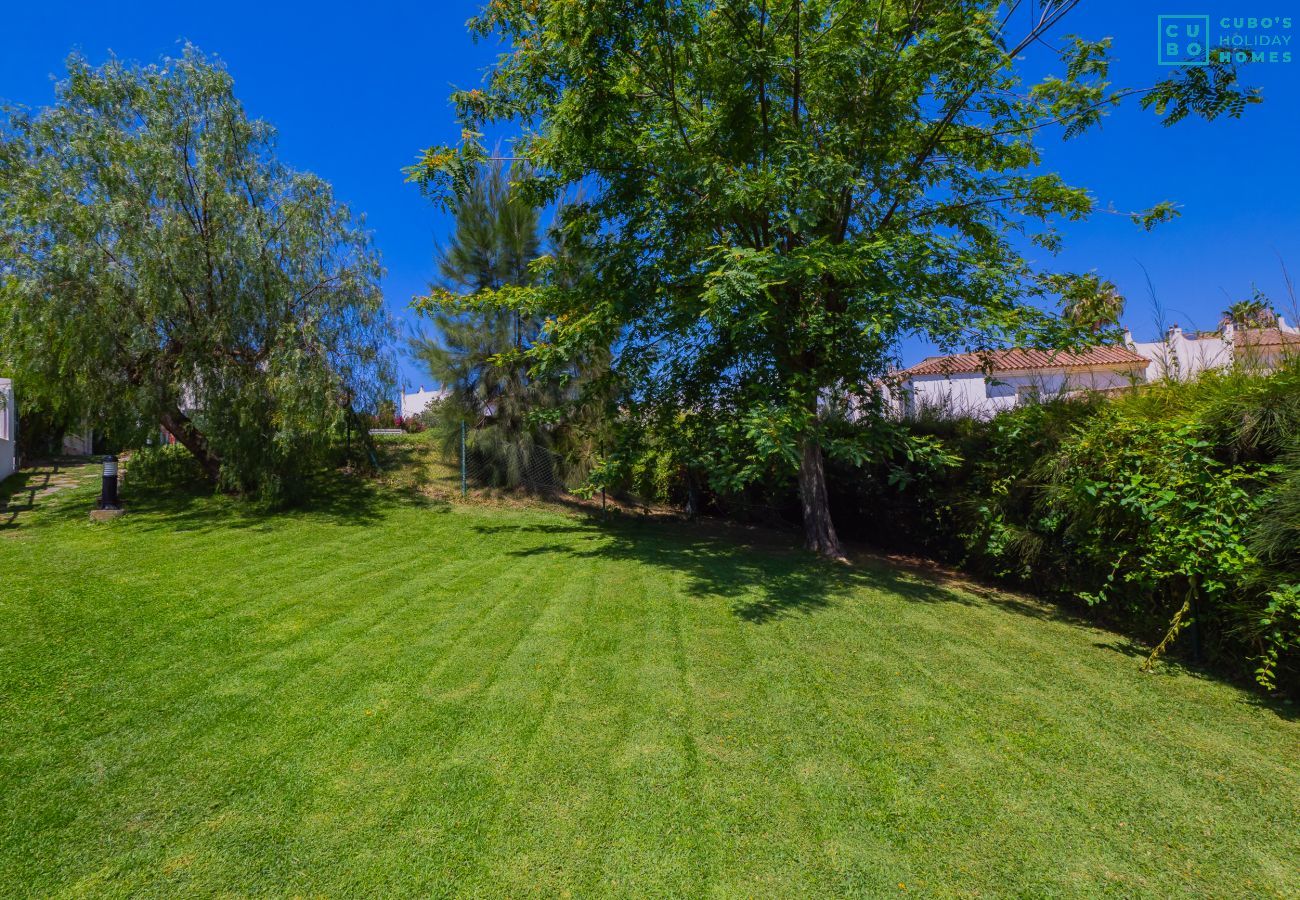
point(193, 440)
point(819, 531)
point(692, 494)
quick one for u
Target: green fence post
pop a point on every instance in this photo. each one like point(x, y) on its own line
point(463, 490)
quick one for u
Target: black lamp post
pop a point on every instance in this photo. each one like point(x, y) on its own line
point(108, 491)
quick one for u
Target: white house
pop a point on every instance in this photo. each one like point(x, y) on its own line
point(983, 384)
point(414, 404)
point(1265, 348)
point(8, 429)
point(1181, 356)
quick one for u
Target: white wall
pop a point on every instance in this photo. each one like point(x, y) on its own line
point(958, 395)
point(414, 404)
point(974, 394)
point(1180, 357)
point(8, 429)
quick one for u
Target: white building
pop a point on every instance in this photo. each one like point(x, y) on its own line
point(414, 404)
point(1264, 349)
point(1182, 356)
point(8, 429)
point(983, 384)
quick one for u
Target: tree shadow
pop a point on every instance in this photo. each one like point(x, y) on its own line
point(1169, 665)
point(1034, 609)
point(762, 575)
point(1281, 706)
point(338, 499)
point(1177, 662)
point(932, 571)
point(765, 577)
point(416, 466)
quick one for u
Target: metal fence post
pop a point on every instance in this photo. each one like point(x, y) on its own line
point(463, 490)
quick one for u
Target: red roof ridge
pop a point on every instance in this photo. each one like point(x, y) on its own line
point(1268, 337)
point(1017, 359)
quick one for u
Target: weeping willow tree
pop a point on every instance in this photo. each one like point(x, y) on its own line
point(511, 416)
point(160, 265)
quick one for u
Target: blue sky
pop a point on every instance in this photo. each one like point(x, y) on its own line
point(356, 90)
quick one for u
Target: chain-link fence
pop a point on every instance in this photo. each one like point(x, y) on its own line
point(483, 462)
point(486, 459)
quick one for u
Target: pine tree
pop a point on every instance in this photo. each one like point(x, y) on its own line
point(494, 245)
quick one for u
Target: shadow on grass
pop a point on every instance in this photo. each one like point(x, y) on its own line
point(415, 463)
point(28, 490)
point(338, 499)
point(18, 495)
point(1280, 706)
point(1034, 609)
point(763, 576)
point(1179, 663)
point(408, 458)
point(1171, 664)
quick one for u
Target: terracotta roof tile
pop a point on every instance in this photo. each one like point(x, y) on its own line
point(1268, 337)
point(1020, 360)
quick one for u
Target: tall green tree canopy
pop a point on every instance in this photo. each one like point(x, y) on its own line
point(511, 407)
point(495, 243)
point(781, 190)
point(161, 264)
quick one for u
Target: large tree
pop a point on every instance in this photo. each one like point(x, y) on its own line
point(163, 265)
point(781, 190)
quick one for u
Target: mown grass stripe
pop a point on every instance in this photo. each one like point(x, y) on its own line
point(495, 701)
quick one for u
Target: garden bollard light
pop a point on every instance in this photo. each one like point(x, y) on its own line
point(108, 492)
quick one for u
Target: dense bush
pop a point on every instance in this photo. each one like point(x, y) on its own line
point(1173, 507)
point(167, 466)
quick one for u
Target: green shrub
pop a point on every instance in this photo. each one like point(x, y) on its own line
point(167, 466)
point(1170, 506)
point(1147, 504)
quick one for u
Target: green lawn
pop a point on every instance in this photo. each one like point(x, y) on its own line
point(392, 697)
